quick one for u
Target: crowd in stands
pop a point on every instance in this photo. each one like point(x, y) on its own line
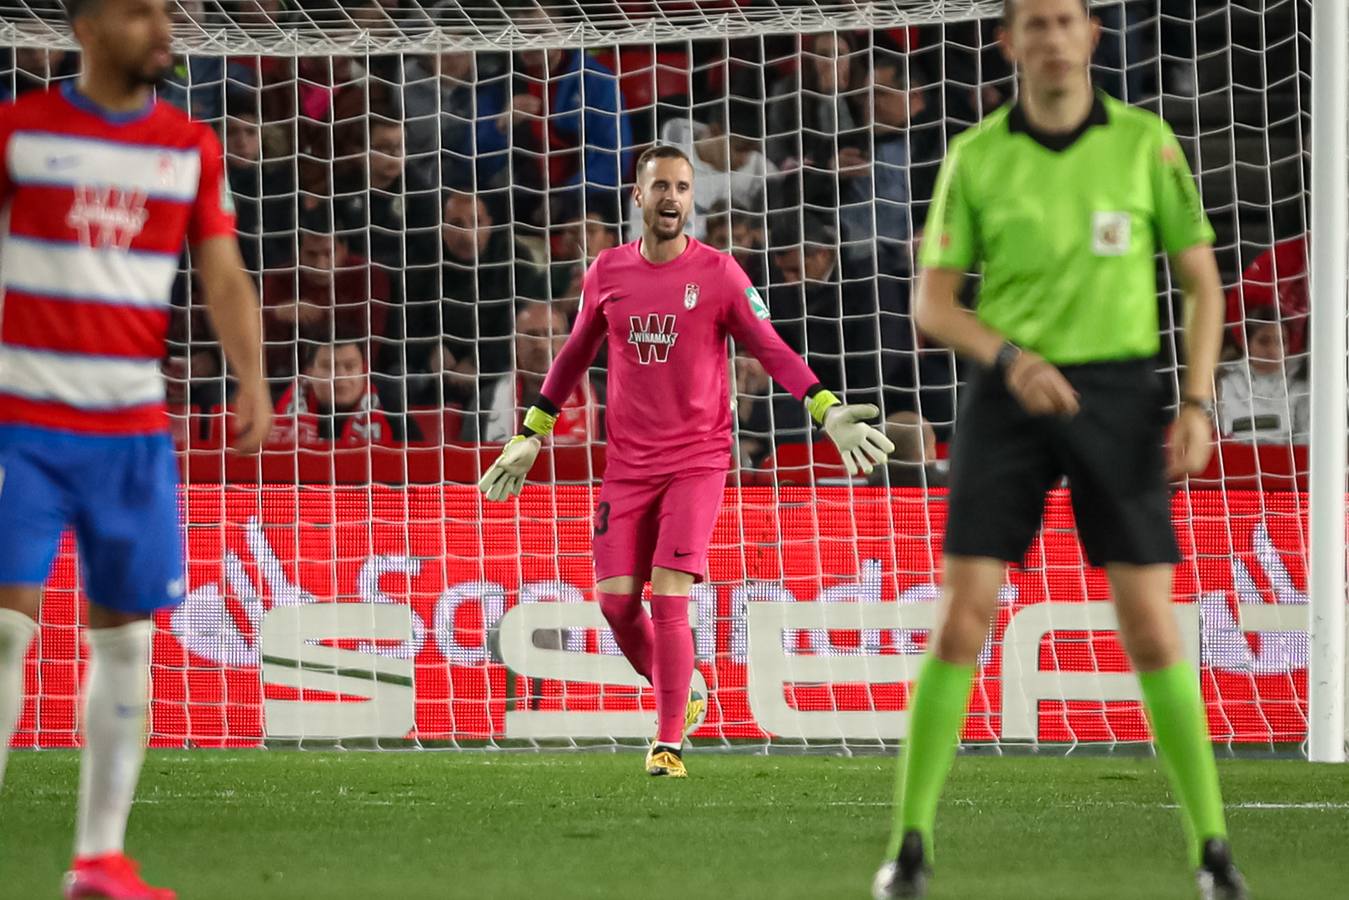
point(419, 226)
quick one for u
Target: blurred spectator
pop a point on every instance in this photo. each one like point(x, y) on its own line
point(742, 234)
point(1277, 277)
point(472, 309)
point(393, 217)
point(729, 166)
point(195, 360)
point(254, 14)
point(1263, 398)
point(263, 189)
point(1119, 65)
point(578, 240)
point(439, 381)
point(567, 298)
point(811, 114)
point(571, 110)
point(748, 246)
point(831, 321)
point(600, 235)
point(35, 68)
point(763, 418)
point(914, 462)
point(330, 294)
point(334, 401)
point(903, 170)
point(717, 226)
point(397, 209)
point(454, 137)
point(197, 84)
point(383, 17)
point(540, 332)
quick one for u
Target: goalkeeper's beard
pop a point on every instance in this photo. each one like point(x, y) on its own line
point(659, 229)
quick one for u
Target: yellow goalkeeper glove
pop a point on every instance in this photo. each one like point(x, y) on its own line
point(861, 446)
point(506, 476)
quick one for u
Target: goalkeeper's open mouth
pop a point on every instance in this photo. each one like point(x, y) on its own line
point(670, 214)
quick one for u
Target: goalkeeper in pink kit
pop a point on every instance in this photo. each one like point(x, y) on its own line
point(666, 305)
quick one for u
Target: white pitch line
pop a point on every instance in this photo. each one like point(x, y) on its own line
point(1076, 804)
point(1323, 805)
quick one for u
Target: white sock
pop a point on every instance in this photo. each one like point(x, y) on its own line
point(116, 693)
point(16, 633)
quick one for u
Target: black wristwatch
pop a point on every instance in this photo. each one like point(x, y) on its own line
point(1007, 355)
point(1202, 404)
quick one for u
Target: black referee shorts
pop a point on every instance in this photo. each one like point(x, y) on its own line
point(1003, 460)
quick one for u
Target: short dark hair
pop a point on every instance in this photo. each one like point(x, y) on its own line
point(1258, 316)
point(242, 103)
point(76, 8)
point(661, 151)
point(1008, 6)
point(318, 220)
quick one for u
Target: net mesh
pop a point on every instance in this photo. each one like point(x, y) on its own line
point(419, 191)
point(316, 28)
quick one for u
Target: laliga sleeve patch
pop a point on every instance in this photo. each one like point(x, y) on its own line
point(756, 304)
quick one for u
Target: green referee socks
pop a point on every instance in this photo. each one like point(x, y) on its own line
point(940, 700)
point(1180, 732)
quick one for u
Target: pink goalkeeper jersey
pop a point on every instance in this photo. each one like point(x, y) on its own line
point(669, 399)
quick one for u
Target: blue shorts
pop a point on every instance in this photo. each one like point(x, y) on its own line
point(119, 493)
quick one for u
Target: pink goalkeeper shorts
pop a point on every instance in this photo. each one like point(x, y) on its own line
point(663, 521)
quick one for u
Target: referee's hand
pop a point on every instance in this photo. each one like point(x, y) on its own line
point(1189, 443)
point(1040, 387)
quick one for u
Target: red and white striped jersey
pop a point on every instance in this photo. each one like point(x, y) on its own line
point(96, 207)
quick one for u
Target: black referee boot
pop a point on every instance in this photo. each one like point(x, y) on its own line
point(906, 875)
point(1218, 878)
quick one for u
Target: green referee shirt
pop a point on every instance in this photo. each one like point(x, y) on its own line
point(1065, 228)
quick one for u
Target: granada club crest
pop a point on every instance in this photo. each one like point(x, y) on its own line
point(653, 337)
point(690, 296)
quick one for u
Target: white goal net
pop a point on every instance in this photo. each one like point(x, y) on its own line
point(419, 187)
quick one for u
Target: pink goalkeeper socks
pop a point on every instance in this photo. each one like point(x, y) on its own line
point(632, 629)
point(673, 669)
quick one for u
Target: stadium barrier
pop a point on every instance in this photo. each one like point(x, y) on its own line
point(422, 613)
point(1236, 466)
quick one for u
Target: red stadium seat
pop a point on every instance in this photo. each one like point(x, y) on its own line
point(1257, 467)
point(438, 425)
point(805, 463)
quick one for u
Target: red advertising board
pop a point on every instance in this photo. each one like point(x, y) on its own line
point(460, 565)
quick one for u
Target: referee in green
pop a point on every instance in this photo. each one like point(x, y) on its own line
point(1062, 200)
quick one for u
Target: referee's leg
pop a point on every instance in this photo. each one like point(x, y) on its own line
point(1001, 466)
point(1115, 462)
point(969, 600)
point(936, 712)
point(1151, 637)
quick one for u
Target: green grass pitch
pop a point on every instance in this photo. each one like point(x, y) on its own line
point(293, 825)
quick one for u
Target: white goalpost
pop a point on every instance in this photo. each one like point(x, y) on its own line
point(427, 181)
point(1330, 225)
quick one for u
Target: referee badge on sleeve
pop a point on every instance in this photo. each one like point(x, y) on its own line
point(1110, 233)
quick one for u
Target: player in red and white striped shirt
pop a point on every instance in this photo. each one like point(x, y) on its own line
point(100, 186)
